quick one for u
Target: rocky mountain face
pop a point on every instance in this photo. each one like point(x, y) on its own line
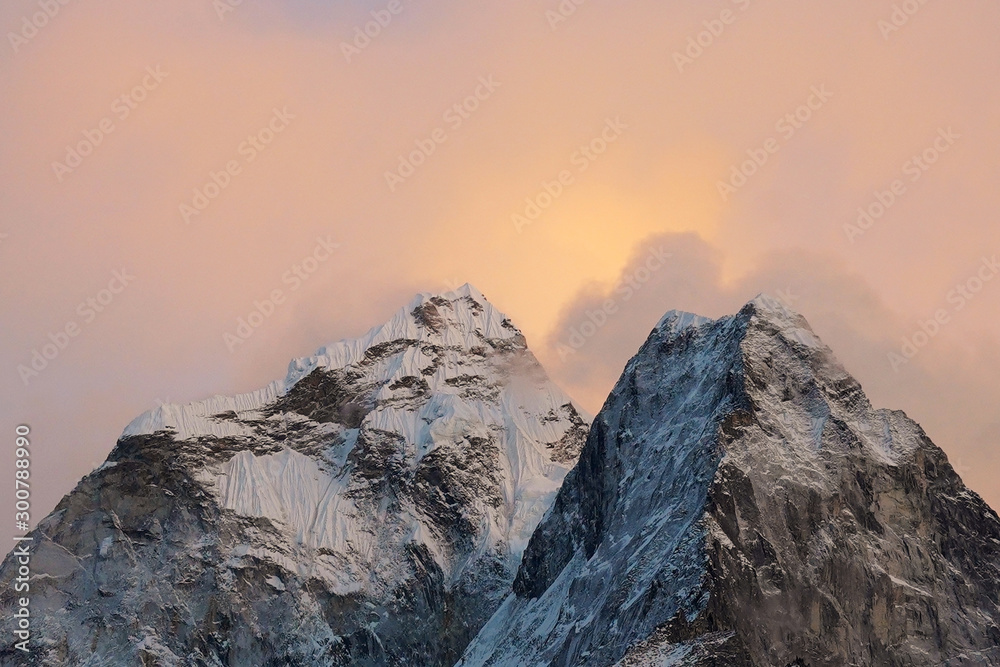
point(739, 502)
point(370, 509)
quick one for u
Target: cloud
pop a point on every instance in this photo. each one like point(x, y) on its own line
point(947, 387)
point(451, 220)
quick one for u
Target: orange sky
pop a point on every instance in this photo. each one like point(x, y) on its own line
point(617, 101)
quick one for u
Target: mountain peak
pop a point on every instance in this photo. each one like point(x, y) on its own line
point(373, 505)
point(459, 319)
point(467, 295)
point(737, 501)
point(675, 321)
point(772, 306)
point(464, 310)
point(740, 501)
point(456, 323)
point(466, 290)
point(781, 317)
point(764, 311)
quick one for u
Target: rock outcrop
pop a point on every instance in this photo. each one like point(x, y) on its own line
point(371, 509)
point(739, 502)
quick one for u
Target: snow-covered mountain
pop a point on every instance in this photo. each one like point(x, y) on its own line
point(370, 509)
point(739, 502)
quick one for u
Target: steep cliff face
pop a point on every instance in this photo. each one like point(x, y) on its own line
point(371, 509)
point(740, 502)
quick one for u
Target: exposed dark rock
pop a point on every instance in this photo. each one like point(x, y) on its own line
point(739, 502)
point(367, 514)
point(337, 396)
